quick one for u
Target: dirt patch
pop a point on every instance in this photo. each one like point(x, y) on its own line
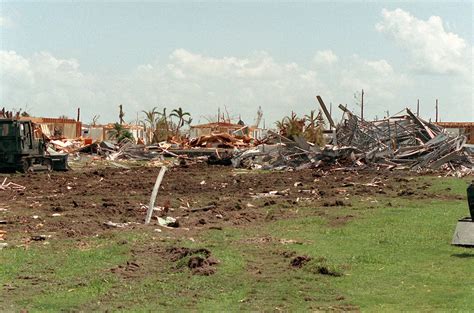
point(335, 203)
point(76, 204)
point(340, 221)
point(198, 261)
point(323, 270)
point(299, 261)
point(316, 266)
point(338, 308)
point(405, 193)
point(129, 270)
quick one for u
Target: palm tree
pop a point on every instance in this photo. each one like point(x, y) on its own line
point(164, 117)
point(312, 118)
point(281, 127)
point(150, 121)
point(119, 133)
point(294, 125)
point(180, 114)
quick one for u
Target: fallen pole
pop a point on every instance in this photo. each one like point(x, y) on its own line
point(154, 193)
point(328, 115)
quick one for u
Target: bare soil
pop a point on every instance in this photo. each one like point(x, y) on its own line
point(79, 203)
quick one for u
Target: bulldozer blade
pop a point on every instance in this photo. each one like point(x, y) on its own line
point(464, 233)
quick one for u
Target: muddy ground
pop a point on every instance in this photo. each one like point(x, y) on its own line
point(79, 203)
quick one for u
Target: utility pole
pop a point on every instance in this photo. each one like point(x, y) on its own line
point(436, 110)
point(78, 114)
point(362, 106)
point(418, 108)
point(121, 115)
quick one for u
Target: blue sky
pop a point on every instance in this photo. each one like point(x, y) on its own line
point(96, 55)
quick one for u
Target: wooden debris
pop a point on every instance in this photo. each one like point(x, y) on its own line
point(154, 193)
point(11, 186)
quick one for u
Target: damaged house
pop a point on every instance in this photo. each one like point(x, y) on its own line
point(57, 127)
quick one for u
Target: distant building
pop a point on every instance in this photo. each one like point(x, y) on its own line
point(103, 132)
point(216, 127)
point(459, 128)
point(57, 127)
point(239, 129)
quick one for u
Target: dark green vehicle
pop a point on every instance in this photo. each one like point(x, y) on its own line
point(21, 151)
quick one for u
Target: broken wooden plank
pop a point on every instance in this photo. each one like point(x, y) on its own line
point(326, 112)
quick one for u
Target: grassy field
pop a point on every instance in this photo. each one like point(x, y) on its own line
point(390, 255)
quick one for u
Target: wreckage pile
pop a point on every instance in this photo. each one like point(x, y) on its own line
point(279, 153)
point(404, 141)
point(219, 140)
point(398, 142)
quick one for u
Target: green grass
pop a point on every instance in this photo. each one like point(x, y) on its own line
point(392, 258)
point(59, 275)
point(399, 258)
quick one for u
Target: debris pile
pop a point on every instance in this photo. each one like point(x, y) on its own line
point(404, 142)
point(132, 151)
point(398, 142)
point(220, 140)
point(277, 152)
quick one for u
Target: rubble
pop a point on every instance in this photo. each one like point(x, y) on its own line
point(168, 222)
point(132, 151)
point(404, 142)
point(220, 140)
point(116, 225)
point(398, 142)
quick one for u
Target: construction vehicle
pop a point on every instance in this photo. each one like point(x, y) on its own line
point(24, 149)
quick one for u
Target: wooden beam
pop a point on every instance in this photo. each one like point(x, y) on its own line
point(326, 112)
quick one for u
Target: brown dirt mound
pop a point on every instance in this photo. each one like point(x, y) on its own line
point(323, 270)
point(199, 261)
point(299, 261)
point(130, 269)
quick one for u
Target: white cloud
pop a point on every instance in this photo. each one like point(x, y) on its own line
point(325, 57)
point(52, 86)
point(46, 84)
point(433, 49)
point(242, 84)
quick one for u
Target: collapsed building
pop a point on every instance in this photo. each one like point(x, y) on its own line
point(459, 128)
point(404, 141)
point(94, 133)
point(56, 128)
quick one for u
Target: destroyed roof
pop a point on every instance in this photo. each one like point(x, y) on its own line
point(111, 126)
point(218, 124)
point(51, 120)
point(455, 124)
